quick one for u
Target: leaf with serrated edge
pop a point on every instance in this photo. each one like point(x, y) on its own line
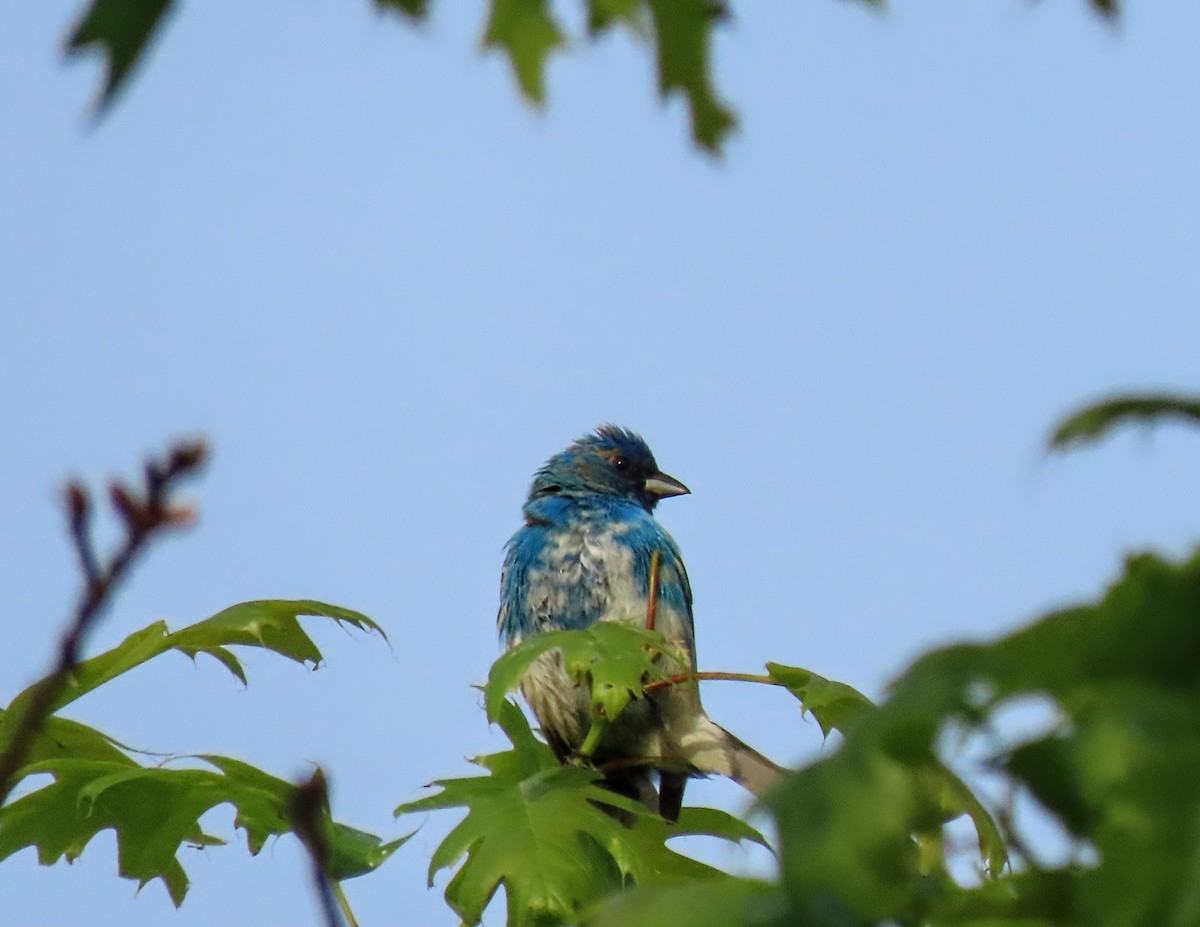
point(532, 826)
point(834, 704)
point(527, 834)
point(121, 30)
point(615, 659)
point(154, 811)
point(268, 623)
point(683, 35)
point(526, 32)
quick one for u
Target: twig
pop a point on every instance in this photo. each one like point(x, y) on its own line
point(701, 677)
point(309, 811)
point(652, 597)
point(144, 515)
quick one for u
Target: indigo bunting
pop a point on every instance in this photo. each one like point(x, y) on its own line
point(582, 556)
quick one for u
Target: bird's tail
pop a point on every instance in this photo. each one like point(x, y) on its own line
point(714, 751)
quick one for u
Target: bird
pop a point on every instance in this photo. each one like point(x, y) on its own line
point(584, 555)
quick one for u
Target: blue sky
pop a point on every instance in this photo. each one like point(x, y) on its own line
point(386, 289)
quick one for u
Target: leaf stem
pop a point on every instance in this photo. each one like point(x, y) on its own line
point(652, 597)
point(344, 903)
point(594, 734)
point(705, 676)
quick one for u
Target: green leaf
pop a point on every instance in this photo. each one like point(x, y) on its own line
point(1096, 420)
point(683, 35)
point(834, 704)
point(615, 660)
point(353, 852)
point(269, 623)
point(701, 903)
point(534, 827)
point(603, 13)
point(121, 31)
point(846, 828)
point(154, 811)
point(526, 32)
point(712, 822)
point(263, 811)
point(658, 864)
point(61, 738)
point(955, 798)
point(416, 10)
point(861, 830)
point(1046, 767)
point(538, 829)
point(529, 754)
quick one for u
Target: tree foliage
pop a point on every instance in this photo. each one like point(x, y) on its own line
point(869, 834)
point(679, 34)
point(99, 784)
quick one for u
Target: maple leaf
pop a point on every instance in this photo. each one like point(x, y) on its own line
point(538, 829)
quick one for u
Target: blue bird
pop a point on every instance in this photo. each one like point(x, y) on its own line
point(582, 556)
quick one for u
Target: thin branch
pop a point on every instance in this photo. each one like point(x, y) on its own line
point(144, 514)
point(703, 677)
point(309, 812)
point(79, 514)
point(652, 598)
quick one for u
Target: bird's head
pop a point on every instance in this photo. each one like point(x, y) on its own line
point(612, 461)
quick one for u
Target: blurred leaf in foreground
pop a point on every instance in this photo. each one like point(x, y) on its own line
point(120, 30)
point(1094, 421)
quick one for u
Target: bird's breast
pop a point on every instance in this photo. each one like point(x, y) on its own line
point(587, 573)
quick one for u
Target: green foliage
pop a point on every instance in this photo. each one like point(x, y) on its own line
point(121, 31)
point(270, 624)
point(837, 706)
point(861, 830)
point(834, 704)
point(683, 39)
point(539, 829)
point(681, 32)
point(155, 810)
point(526, 32)
point(615, 661)
point(1096, 420)
point(704, 903)
point(415, 10)
point(98, 784)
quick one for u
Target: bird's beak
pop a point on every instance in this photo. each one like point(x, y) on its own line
point(660, 486)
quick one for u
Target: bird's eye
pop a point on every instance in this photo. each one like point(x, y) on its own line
point(621, 463)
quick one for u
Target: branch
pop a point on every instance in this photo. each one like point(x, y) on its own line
point(145, 515)
point(652, 598)
point(309, 812)
point(702, 677)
